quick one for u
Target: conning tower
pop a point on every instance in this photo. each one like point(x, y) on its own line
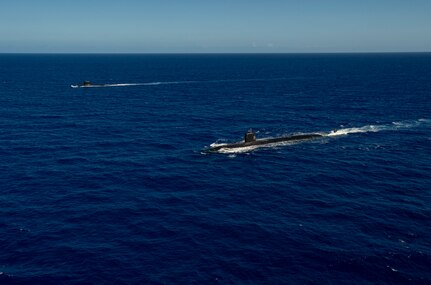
point(249, 136)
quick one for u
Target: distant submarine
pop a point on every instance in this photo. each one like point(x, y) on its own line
point(88, 84)
point(250, 140)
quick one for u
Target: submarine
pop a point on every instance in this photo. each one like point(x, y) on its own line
point(88, 84)
point(250, 140)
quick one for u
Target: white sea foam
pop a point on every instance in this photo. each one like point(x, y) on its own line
point(364, 129)
point(384, 127)
point(217, 144)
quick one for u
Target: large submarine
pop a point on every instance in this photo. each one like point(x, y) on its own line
point(250, 140)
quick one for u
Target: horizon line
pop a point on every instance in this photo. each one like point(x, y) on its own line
point(214, 53)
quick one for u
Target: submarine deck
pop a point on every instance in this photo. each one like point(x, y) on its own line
point(267, 141)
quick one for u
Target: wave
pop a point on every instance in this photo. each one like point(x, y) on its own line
point(339, 132)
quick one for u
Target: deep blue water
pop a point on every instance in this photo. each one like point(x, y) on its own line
point(113, 185)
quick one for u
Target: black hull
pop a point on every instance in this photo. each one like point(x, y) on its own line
point(266, 141)
point(89, 86)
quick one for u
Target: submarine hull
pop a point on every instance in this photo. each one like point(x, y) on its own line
point(266, 141)
point(88, 85)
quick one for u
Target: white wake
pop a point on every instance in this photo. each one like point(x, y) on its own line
point(377, 128)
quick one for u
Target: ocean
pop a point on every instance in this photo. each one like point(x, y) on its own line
point(115, 185)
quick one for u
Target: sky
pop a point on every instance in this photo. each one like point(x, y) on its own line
point(214, 26)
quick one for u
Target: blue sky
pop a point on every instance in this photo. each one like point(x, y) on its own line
point(192, 26)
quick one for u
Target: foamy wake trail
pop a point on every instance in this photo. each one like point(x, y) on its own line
point(145, 84)
point(377, 128)
point(123, 84)
point(345, 131)
point(364, 129)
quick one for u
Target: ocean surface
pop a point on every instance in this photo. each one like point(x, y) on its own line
point(115, 184)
